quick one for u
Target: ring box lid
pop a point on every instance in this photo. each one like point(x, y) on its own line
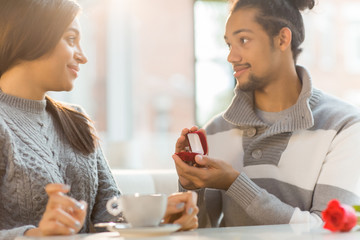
point(198, 143)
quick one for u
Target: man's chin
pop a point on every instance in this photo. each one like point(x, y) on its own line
point(244, 87)
point(250, 84)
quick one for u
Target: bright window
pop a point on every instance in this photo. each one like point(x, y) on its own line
point(157, 66)
point(138, 85)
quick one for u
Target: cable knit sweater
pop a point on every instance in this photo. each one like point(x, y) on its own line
point(35, 152)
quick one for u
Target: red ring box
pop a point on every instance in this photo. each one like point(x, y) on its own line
point(198, 145)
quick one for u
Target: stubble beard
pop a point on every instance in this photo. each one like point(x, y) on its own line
point(252, 84)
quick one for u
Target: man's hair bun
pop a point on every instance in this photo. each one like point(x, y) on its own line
point(303, 4)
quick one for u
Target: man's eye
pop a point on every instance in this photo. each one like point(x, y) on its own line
point(243, 40)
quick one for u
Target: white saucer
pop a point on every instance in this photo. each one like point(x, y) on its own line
point(126, 230)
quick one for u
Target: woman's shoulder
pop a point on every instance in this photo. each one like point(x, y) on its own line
point(2, 124)
point(5, 141)
point(73, 106)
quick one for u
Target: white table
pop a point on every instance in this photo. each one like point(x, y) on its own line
point(267, 232)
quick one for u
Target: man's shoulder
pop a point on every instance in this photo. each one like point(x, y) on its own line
point(335, 111)
point(335, 105)
point(218, 124)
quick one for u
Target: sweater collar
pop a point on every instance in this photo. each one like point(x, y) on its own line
point(241, 110)
point(28, 105)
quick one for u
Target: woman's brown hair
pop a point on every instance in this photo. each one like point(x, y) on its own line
point(28, 30)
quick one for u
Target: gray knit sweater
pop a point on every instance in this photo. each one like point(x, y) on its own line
point(35, 152)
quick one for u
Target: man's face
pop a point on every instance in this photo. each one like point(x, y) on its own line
point(254, 58)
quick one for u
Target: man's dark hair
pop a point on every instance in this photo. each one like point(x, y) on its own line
point(274, 15)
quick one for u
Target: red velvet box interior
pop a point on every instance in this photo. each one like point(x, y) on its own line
point(198, 145)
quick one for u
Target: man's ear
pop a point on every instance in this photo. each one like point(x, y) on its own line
point(284, 38)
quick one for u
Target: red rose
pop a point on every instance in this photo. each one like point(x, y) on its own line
point(339, 217)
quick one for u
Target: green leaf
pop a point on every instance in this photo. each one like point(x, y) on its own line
point(357, 208)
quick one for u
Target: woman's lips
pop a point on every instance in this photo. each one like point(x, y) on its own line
point(74, 70)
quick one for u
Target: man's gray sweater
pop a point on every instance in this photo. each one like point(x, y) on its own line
point(289, 170)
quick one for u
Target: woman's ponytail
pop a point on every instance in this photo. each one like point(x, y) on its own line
point(75, 125)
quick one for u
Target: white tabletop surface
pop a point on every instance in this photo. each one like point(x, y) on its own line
point(265, 232)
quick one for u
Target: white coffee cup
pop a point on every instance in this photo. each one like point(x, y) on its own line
point(139, 210)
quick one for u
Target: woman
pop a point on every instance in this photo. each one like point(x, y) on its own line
point(54, 179)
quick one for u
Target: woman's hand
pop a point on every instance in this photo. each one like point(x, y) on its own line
point(182, 209)
point(63, 215)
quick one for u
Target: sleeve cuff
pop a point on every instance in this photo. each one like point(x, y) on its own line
point(200, 192)
point(13, 233)
point(23, 229)
point(243, 190)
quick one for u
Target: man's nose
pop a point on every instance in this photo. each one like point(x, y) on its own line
point(234, 55)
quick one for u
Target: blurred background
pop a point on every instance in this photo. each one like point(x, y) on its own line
point(157, 66)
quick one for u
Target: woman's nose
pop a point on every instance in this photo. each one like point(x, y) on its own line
point(80, 57)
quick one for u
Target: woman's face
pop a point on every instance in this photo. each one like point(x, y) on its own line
point(56, 70)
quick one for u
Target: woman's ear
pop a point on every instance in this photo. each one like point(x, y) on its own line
point(284, 38)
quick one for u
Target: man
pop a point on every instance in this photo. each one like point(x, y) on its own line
point(283, 149)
